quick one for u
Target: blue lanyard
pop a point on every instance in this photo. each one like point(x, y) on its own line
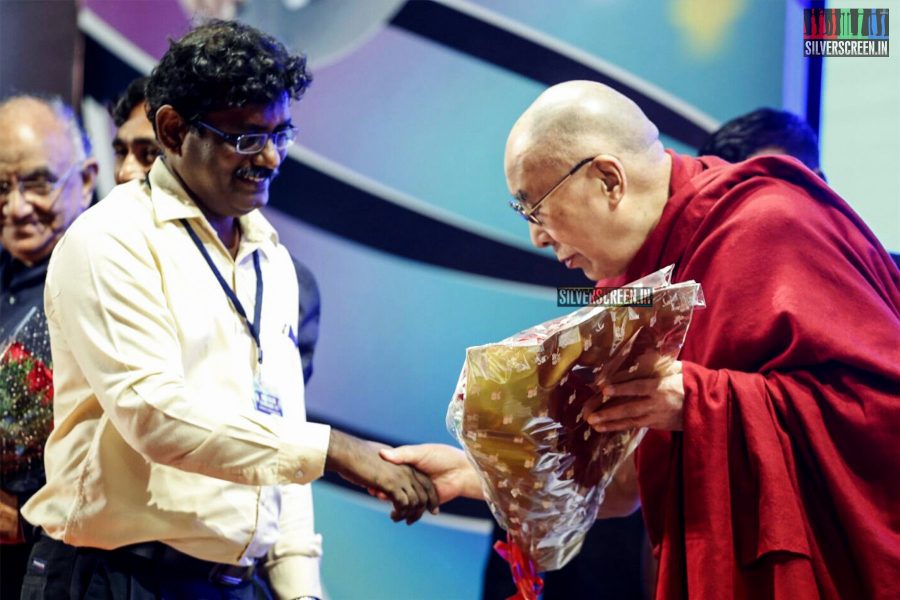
point(253, 327)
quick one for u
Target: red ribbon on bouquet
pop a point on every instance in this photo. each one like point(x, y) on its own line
point(528, 583)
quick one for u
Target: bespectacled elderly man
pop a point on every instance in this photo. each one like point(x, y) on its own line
point(769, 470)
point(47, 179)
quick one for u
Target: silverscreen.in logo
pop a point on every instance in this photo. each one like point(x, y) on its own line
point(846, 32)
point(604, 296)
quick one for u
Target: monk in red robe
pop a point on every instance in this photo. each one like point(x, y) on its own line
point(772, 468)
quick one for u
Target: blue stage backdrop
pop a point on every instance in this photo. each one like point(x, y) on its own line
point(394, 196)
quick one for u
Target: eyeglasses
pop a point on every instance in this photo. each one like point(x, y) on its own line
point(38, 187)
point(252, 143)
point(528, 212)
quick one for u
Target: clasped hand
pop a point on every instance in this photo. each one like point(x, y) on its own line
point(358, 461)
point(654, 402)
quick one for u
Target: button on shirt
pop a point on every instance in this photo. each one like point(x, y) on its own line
point(157, 436)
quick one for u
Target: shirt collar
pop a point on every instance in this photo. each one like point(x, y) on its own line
point(171, 202)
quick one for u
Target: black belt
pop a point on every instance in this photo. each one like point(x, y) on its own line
point(168, 558)
point(165, 559)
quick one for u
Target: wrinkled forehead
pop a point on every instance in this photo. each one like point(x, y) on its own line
point(527, 173)
point(26, 146)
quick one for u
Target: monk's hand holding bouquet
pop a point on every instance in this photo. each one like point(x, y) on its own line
point(527, 414)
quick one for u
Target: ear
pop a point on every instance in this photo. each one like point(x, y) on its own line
point(611, 173)
point(88, 181)
point(171, 128)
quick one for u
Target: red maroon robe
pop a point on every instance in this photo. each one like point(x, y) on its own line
point(785, 482)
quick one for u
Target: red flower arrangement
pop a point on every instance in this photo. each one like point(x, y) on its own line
point(26, 407)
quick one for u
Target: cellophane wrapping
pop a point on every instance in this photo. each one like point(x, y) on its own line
point(517, 412)
point(26, 403)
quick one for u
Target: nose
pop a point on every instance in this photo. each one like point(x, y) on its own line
point(269, 156)
point(131, 168)
point(15, 205)
point(539, 237)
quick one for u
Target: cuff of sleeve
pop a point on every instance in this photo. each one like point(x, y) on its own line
point(705, 401)
point(294, 577)
point(303, 463)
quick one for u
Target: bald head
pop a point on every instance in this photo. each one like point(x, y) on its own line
point(51, 118)
point(596, 217)
point(46, 175)
point(577, 119)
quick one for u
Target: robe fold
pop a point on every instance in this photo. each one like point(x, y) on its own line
point(785, 482)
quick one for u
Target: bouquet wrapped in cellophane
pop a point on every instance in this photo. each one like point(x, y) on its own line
point(26, 403)
point(517, 412)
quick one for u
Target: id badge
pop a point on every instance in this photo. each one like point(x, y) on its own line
point(265, 401)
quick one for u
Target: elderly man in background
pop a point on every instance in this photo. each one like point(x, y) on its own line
point(47, 179)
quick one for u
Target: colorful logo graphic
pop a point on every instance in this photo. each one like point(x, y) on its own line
point(845, 32)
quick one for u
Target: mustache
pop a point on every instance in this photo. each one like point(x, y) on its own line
point(257, 172)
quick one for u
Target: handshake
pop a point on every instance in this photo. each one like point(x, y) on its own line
point(421, 477)
point(435, 474)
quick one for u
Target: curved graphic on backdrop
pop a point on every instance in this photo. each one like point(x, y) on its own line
point(328, 31)
point(347, 205)
point(506, 43)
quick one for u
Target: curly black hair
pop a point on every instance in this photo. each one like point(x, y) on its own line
point(224, 64)
point(743, 136)
point(133, 95)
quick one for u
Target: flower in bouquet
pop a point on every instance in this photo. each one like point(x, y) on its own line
point(26, 414)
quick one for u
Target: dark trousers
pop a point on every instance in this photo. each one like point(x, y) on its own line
point(13, 558)
point(58, 571)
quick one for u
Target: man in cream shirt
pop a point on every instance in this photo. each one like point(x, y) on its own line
point(181, 443)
